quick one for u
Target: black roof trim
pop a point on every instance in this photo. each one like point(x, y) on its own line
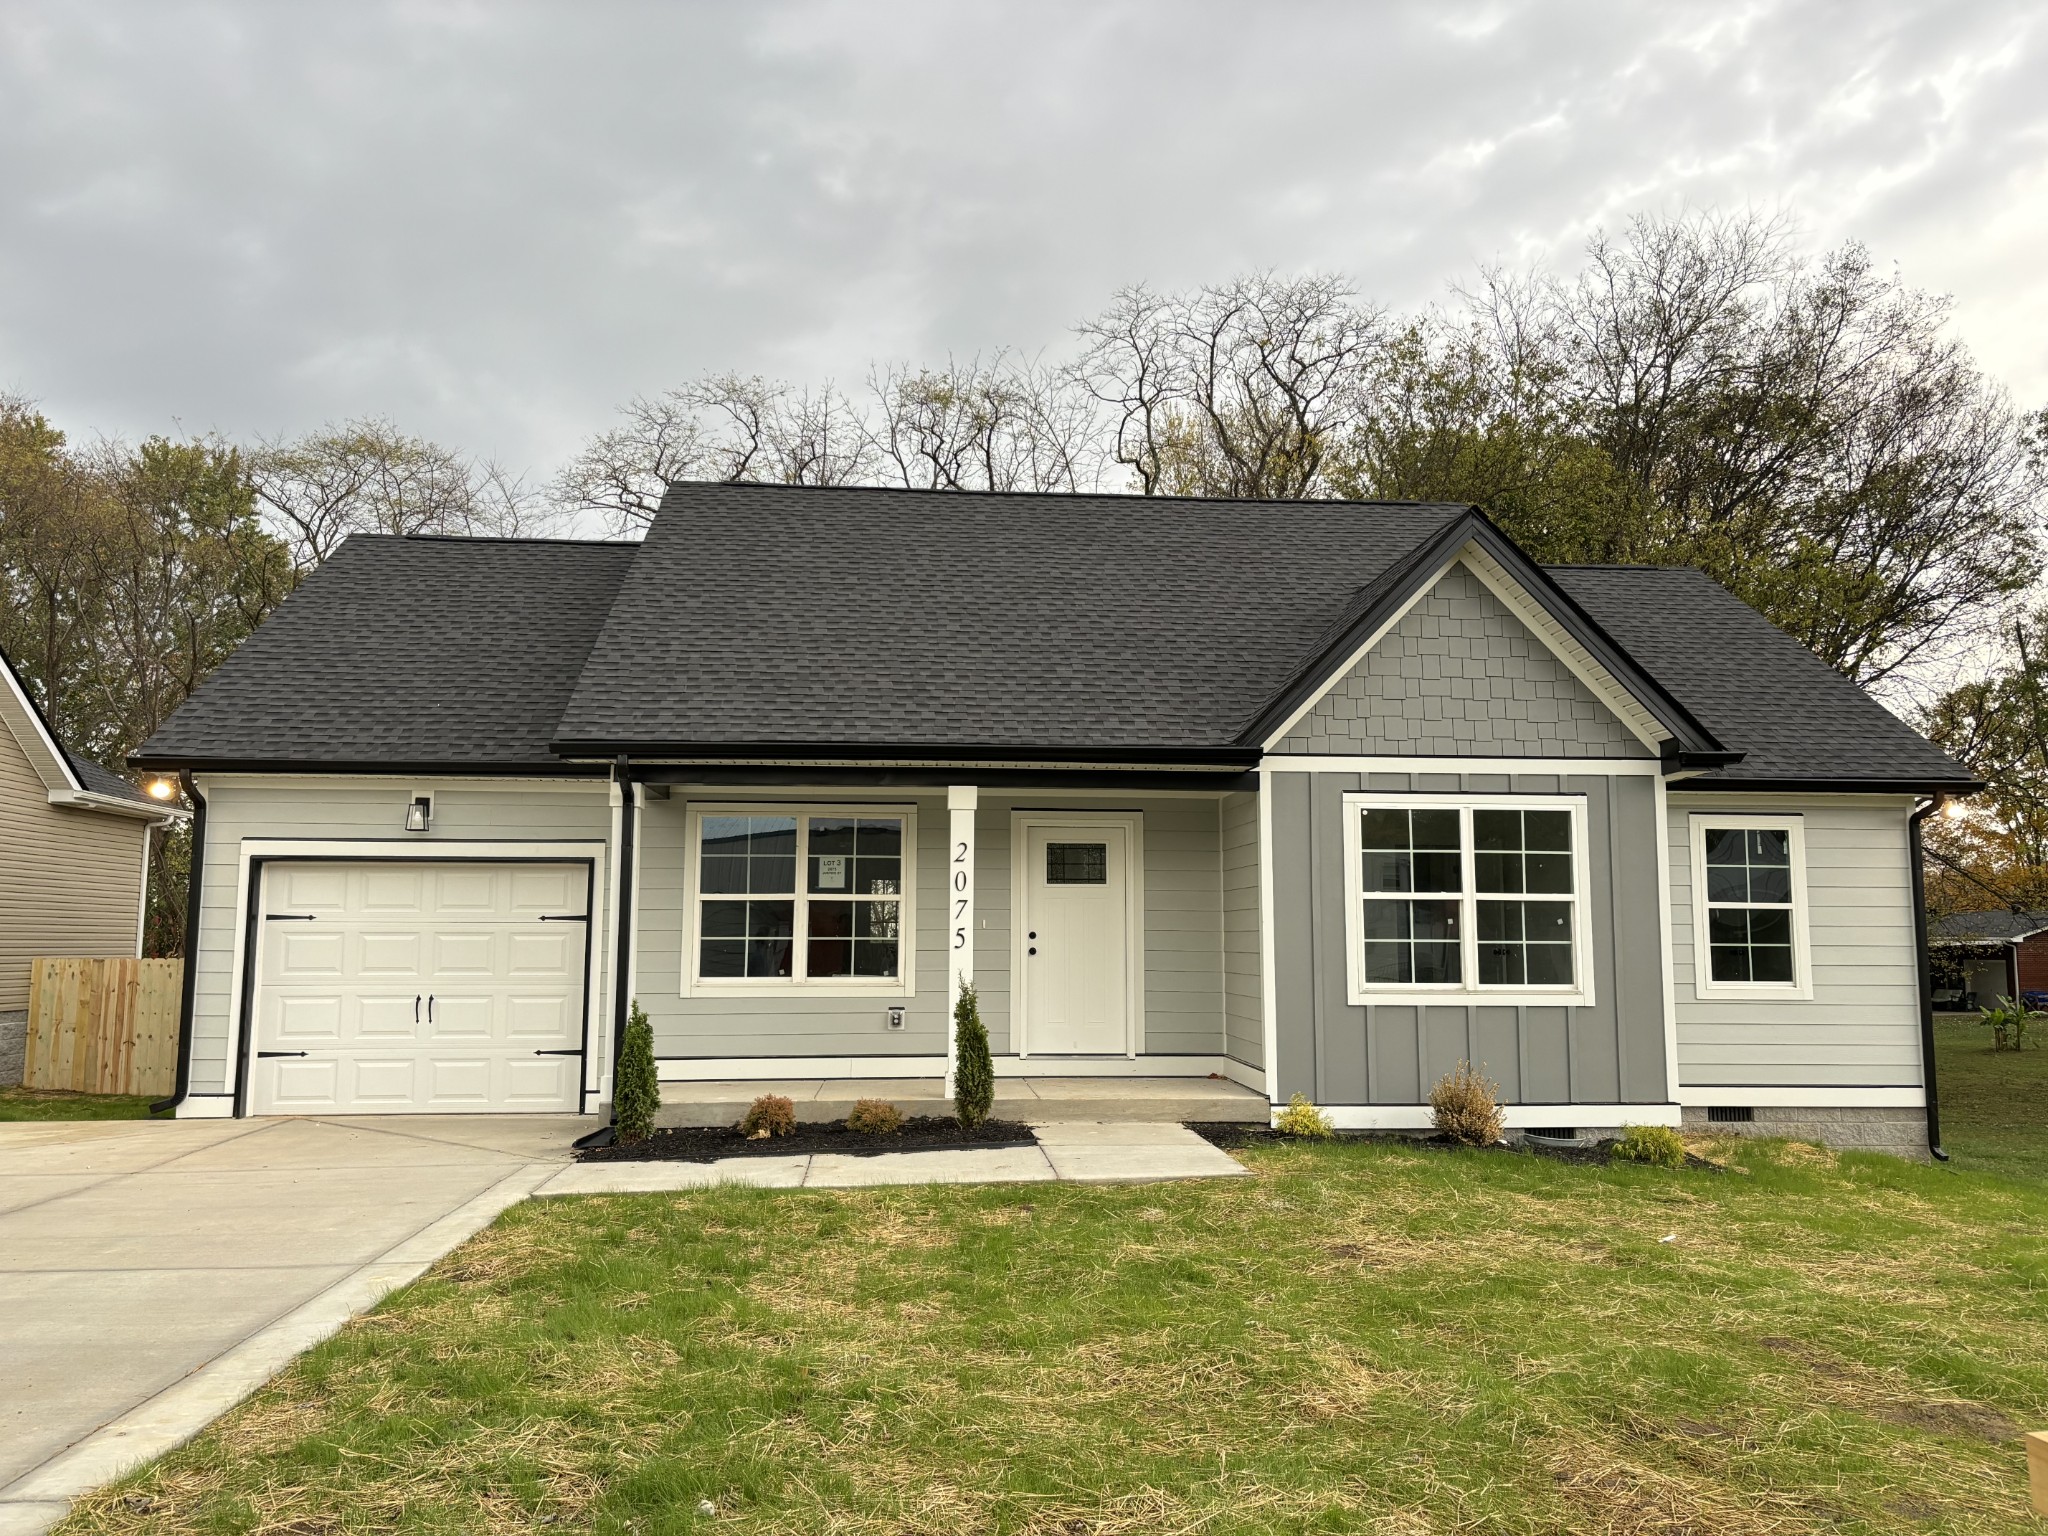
point(782, 751)
point(1827, 786)
point(549, 768)
point(1380, 601)
point(1114, 780)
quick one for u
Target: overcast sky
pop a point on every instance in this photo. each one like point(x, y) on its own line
point(493, 222)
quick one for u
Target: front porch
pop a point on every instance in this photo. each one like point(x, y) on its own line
point(1036, 1100)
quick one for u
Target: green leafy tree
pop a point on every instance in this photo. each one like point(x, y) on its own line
point(1996, 852)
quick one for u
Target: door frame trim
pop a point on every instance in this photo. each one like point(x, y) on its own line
point(1021, 823)
point(256, 853)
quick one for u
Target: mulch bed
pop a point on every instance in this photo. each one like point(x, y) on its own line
point(707, 1144)
point(1230, 1135)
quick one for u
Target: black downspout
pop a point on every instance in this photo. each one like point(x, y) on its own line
point(1934, 1146)
point(194, 868)
point(622, 983)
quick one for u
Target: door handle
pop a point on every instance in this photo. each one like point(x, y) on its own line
point(1032, 950)
point(430, 1007)
point(415, 1008)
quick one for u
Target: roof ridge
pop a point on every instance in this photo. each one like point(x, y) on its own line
point(977, 492)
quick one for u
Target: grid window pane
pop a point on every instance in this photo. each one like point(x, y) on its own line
point(1077, 864)
point(855, 855)
point(1410, 850)
point(1525, 943)
point(747, 857)
point(1749, 904)
point(1517, 851)
point(1412, 942)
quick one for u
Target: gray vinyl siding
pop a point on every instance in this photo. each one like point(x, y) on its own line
point(1183, 918)
point(371, 809)
point(1244, 1028)
point(1461, 676)
point(1183, 939)
point(1340, 1053)
point(1861, 1027)
point(789, 1023)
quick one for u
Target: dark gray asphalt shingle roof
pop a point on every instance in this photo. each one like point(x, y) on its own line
point(1755, 687)
point(1987, 927)
point(772, 614)
point(409, 651)
point(853, 617)
point(103, 781)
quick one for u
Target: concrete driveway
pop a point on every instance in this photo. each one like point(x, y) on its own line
point(132, 1254)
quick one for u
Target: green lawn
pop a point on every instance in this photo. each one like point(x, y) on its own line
point(1363, 1338)
point(37, 1104)
point(1994, 1104)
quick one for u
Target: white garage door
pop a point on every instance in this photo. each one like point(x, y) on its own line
point(390, 988)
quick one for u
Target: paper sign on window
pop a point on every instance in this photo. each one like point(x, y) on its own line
point(832, 872)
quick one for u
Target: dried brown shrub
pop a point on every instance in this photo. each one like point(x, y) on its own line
point(769, 1115)
point(1466, 1107)
point(875, 1117)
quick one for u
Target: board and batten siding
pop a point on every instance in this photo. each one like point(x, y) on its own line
point(1339, 1053)
point(789, 1022)
point(1244, 1024)
point(366, 809)
point(70, 879)
point(1861, 1027)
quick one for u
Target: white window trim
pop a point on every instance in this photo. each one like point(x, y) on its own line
point(1704, 985)
point(1578, 995)
point(903, 985)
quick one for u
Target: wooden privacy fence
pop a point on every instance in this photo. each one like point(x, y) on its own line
point(103, 1026)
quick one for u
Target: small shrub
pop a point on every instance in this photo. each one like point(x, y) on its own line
point(2008, 1023)
point(1301, 1118)
point(974, 1074)
point(769, 1115)
point(637, 1094)
point(875, 1117)
point(1466, 1107)
point(1657, 1145)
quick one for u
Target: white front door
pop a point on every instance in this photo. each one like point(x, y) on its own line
point(419, 988)
point(1076, 940)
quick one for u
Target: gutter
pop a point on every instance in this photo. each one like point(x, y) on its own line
point(93, 800)
point(1926, 968)
point(193, 873)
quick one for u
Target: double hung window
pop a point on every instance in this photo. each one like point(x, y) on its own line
point(1465, 896)
point(801, 897)
point(1750, 926)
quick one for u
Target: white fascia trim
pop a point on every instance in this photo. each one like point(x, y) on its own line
point(1538, 619)
point(92, 800)
point(1701, 1095)
point(206, 1107)
point(1517, 1117)
point(25, 707)
point(1666, 948)
point(1306, 762)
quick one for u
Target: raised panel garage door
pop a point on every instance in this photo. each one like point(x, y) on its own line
point(419, 988)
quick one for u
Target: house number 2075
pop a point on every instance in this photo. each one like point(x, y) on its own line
point(961, 900)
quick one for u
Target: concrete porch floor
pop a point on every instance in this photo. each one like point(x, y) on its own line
point(1036, 1100)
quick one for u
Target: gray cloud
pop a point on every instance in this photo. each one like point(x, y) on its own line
point(493, 222)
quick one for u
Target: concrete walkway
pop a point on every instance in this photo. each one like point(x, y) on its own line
point(153, 1274)
point(1099, 1152)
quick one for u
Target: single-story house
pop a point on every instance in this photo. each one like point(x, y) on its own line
point(2007, 956)
point(74, 858)
point(1318, 797)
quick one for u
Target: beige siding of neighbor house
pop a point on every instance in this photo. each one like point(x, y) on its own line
point(70, 880)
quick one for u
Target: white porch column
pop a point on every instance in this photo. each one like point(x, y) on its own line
point(961, 801)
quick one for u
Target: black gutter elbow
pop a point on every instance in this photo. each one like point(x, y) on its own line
point(195, 868)
point(1926, 971)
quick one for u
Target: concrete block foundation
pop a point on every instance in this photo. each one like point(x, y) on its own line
point(1899, 1132)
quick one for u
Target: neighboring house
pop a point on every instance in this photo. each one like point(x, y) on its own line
point(1322, 797)
point(74, 858)
point(2008, 956)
